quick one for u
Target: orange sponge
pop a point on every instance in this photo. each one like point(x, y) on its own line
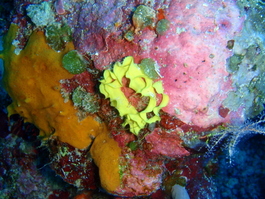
point(32, 78)
point(106, 153)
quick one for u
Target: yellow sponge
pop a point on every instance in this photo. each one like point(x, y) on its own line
point(111, 87)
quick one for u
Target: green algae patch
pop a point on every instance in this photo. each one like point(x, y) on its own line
point(133, 145)
point(129, 36)
point(73, 62)
point(150, 68)
point(234, 62)
point(143, 16)
point(162, 26)
point(57, 36)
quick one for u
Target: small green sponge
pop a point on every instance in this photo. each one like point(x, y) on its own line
point(73, 62)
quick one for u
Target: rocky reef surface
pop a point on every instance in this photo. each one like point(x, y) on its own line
point(113, 98)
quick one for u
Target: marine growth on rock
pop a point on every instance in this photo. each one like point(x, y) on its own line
point(186, 70)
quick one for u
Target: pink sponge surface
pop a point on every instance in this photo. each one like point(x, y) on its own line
point(195, 76)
